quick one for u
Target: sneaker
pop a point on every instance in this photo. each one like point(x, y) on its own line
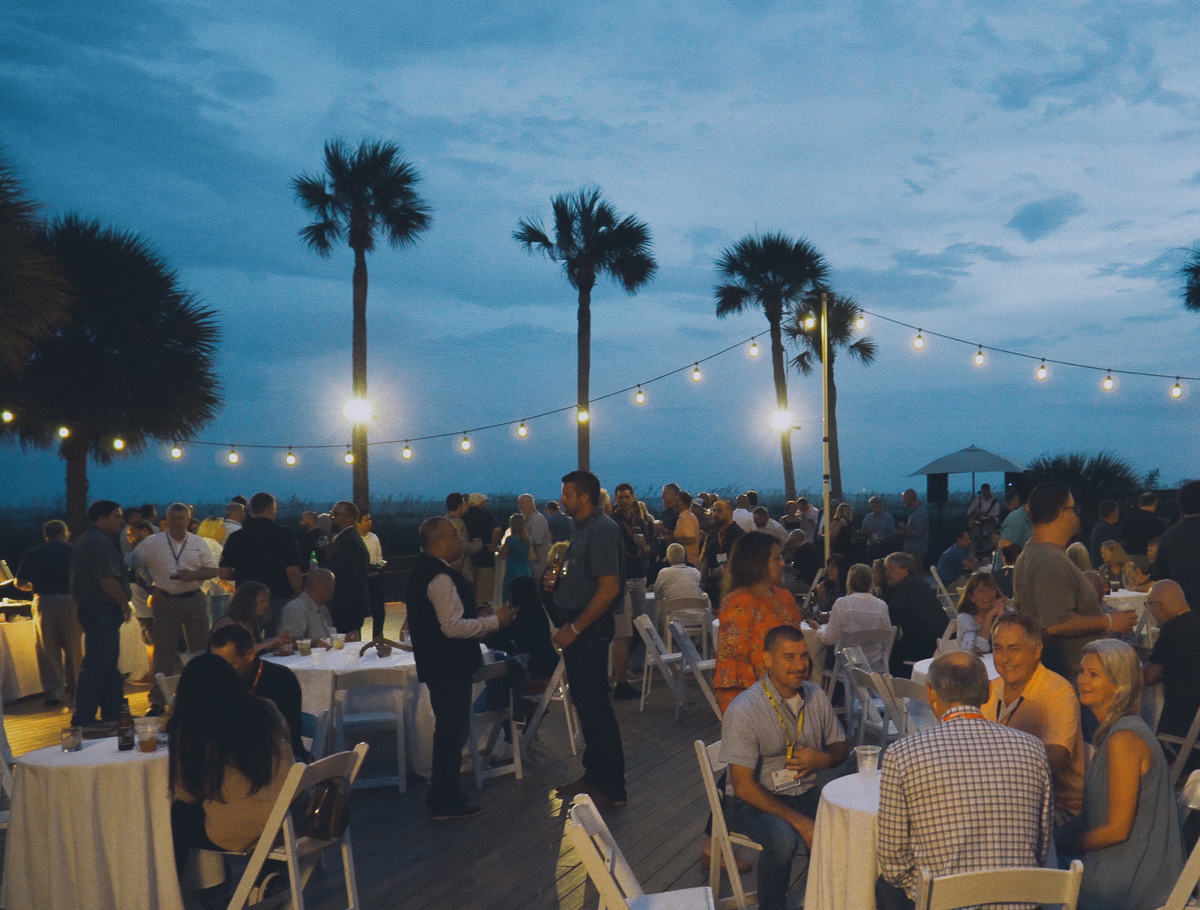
point(624, 692)
point(463, 810)
point(603, 801)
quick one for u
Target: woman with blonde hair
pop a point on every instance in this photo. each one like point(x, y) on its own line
point(1078, 554)
point(1128, 834)
point(1115, 565)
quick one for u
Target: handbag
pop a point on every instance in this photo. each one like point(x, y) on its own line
point(327, 814)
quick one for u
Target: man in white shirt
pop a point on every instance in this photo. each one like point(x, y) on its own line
point(539, 534)
point(742, 516)
point(677, 579)
point(306, 616)
point(176, 562)
point(235, 515)
point(764, 522)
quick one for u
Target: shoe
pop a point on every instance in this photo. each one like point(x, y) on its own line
point(743, 865)
point(603, 801)
point(99, 730)
point(462, 810)
point(146, 680)
point(624, 692)
point(156, 711)
point(52, 702)
point(566, 791)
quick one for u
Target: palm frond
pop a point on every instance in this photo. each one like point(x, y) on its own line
point(1191, 287)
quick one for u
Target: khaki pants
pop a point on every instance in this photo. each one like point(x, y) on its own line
point(59, 644)
point(171, 615)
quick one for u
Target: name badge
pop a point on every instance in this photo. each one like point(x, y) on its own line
point(722, 558)
point(785, 780)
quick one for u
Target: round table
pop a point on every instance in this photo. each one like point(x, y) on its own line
point(920, 672)
point(842, 867)
point(1127, 600)
point(91, 829)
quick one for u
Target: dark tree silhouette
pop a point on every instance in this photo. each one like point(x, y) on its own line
point(590, 240)
point(1191, 281)
point(362, 193)
point(1092, 479)
point(133, 361)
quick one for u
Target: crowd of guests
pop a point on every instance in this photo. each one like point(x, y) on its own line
point(1002, 776)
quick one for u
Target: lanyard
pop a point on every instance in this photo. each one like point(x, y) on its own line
point(963, 712)
point(182, 547)
point(257, 676)
point(791, 744)
point(1009, 710)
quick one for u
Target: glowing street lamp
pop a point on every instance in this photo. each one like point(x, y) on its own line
point(781, 420)
point(358, 410)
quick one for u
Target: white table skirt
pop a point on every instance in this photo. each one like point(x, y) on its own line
point(920, 673)
point(91, 830)
point(316, 688)
point(1127, 600)
point(18, 657)
point(842, 869)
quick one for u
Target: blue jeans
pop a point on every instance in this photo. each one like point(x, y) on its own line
point(99, 683)
point(781, 843)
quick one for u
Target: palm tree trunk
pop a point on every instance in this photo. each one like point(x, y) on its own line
point(781, 401)
point(584, 359)
point(358, 438)
point(835, 458)
point(75, 452)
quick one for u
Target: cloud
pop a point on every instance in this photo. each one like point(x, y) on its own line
point(1041, 218)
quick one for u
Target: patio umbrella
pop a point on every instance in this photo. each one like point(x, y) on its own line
point(971, 460)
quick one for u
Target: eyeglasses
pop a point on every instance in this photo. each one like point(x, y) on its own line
point(1077, 509)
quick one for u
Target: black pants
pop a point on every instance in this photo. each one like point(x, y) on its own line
point(187, 830)
point(99, 683)
point(586, 661)
point(378, 607)
point(451, 702)
point(889, 897)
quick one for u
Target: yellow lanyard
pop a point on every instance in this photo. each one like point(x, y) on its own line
point(791, 744)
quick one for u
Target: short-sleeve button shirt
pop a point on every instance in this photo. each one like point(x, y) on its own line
point(596, 551)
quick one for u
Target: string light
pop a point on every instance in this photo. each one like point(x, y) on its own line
point(1109, 383)
point(233, 456)
point(1041, 372)
point(406, 452)
point(696, 374)
point(919, 341)
point(348, 457)
point(290, 459)
point(861, 322)
point(6, 416)
point(522, 430)
point(64, 432)
point(753, 349)
point(176, 452)
point(639, 396)
point(810, 321)
point(979, 357)
point(118, 443)
point(583, 416)
point(465, 444)
point(1177, 389)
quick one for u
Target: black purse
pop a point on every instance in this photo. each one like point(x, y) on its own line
point(327, 814)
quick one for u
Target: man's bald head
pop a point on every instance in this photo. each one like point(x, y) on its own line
point(957, 678)
point(1166, 601)
point(319, 585)
point(439, 539)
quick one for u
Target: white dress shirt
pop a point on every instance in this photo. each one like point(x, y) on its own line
point(162, 556)
point(449, 607)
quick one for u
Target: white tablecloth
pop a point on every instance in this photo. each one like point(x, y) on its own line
point(842, 868)
point(920, 671)
point(18, 657)
point(316, 686)
point(1127, 600)
point(91, 829)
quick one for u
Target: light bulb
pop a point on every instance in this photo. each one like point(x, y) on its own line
point(639, 396)
point(290, 458)
point(860, 323)
point(348, 457)
point(64, 432)
point(118, 443)
point(6, 416)
point(406, 452)
point(1108, 383)
point(919, 341)
point(233, 456)
point(465, 444)
point(979, 358)
point(696, 374)
point(358, 410)
point(522, 431)
point(810, 321)
point(176, 452)
point(753, 348)
point(781, 420)
point(1041, 371)
point(583, 416)
point(1177, 389)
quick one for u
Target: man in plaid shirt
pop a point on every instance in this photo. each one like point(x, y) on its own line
point(967, 795)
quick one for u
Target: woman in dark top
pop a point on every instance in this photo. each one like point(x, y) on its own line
point(250, 607)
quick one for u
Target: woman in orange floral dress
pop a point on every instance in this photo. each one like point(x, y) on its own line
point(755, 604)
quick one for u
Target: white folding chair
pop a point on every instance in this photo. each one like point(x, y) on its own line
point(916, 702)
point(611, 873)
point(492, 723)
point(691, 662)
point(949, 639)
point(878, 641)
point(167, 685)
point(723, 840)
point(693, 612)
point(389, 715)
point(280, 841)
point(878, 717)
point(1031, 885)
point(1185, 745)
point(316, 729)
point(556, 690)
point(1185, 886)
point(657, 657)
point(812, 591)
point(948, 601)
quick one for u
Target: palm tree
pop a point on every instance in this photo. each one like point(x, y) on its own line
point(134, 361)
point(33, 296)
point(771, 271)
point(362, 192)
point(1191, 277)
point(590, 240)
point(1092, 479)
point(843, 316)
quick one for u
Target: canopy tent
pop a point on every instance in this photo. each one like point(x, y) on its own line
point(971, 460)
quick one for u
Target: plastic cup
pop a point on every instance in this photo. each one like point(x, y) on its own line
point(72, 739)
point(868, 760)
point(305, 646)
point(339, 641)
point(147, 733)
point(318, 656)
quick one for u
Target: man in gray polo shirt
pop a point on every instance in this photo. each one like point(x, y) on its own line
point(775, 737)
point(588, 592)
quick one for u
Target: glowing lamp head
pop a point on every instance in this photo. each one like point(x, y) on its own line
point(1109, 383)
point(860, 322)
point(979, 358)
point(1177, 389)
point(696, 374)
point(919, 341)
point(810, 321)
point(348, 457)
point(176, 452)
point(583, 416)
point(1041, 371)
point(639, 396)
point(753, 348)
point(6, 416)
point(465, 443)
point(406, 452)
point(522, 431)
point(118, 443)
point(358, 410)
point(64, 432)
point(233, 456)
point(290, 459)
point(781, 420)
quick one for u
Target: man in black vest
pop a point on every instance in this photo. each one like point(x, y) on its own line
point(446, 628)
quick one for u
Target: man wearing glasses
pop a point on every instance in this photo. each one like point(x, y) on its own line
point(1048, 586)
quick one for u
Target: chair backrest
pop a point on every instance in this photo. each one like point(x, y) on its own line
point(605, 863)
point(495, 670)
point(1034, 886)
point(1185, 886)
point(906, 688)
point(948, 602)
point(693, 663)
point(871, 640)
point(870, 688)
point(168, 685)
point(317, 729)
point(684, 603)
point(650, 636)
point(949, 640)
point(1185, 743)
point(375, 676)
point(812, 590)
